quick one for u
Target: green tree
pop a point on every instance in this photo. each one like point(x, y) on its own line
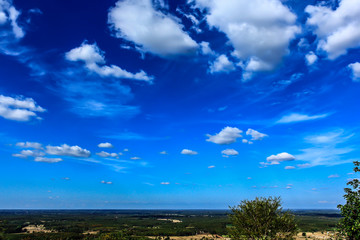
point(349, 225)
point(262, 218)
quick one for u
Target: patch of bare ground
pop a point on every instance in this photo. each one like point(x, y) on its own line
point(37, 229)
point(197, 237)
point(91, 232)
point(316, 235)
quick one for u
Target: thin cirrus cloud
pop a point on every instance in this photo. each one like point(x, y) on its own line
point(326, 150)
point(227, 135)
point(19, 108)
point(260, 31)
point(337, 29)
point(151, 30)
point(94, 61)
point(66, 150)
point(297, 117)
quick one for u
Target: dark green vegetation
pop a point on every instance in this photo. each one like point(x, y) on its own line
point(261, 218)
point(350, 223)
point(136, 224)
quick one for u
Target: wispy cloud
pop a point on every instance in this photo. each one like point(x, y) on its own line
point(297, 117)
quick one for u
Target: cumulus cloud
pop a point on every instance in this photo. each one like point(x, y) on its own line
point(255, 135)
point(151, 30)
point(188, 152)
point(338, 29)
point(227, 135)
point(105, 145)
point(66, 150)
point(9, 16)
point(289, 167)
point(230, 152)
point(355, 70)
point(47, 160)
point(34, 145)
point(19, 108)
point(94, 61)
point(221, 64)
point(296, 117)
point(281, 157)
point(28, 153)
point(105, 182)
point(205, 49)
point(311, 58)
point(260, 31)
point(106, 154)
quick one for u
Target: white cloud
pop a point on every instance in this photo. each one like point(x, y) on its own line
point(34, 145)
point(19, 108)
point(255, 135)
point(311, 58)
point(106, 154)
point(105, 145)
point(188, 152)
point(212, 166)
point(163, 152)
point(165, 183)
point(355, 69)
point(47, 160)
point(329, 138)
point(105, 182)
point(222, 64)
point(260, 31)
point(334, 176)
point(205, 49)
point(66, 150)
point(28, 153)
point(9, 15)
point(296, 117)
point(289, 167)
point(230, 152)
point(281, 157)
point(338, 29)
point(94, 61)
point(135, 158)
point(153, 31)
point(227, 135)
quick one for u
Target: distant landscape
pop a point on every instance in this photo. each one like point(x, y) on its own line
point(139, 224)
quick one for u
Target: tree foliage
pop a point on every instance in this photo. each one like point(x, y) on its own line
point(350, 223)
point(262, 218)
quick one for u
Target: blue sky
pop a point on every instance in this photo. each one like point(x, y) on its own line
point(177, 104)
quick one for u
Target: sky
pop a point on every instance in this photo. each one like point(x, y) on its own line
point(188, 104)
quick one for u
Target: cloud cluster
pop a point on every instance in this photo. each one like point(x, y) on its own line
point(337, 30)
point(34, 145)
point(260, 31)
point(66, 150)
point(151, 30)
point(19, 108)
point(94, 61)
point(227, 135)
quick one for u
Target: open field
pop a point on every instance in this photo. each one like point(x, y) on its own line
point(142, 224)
